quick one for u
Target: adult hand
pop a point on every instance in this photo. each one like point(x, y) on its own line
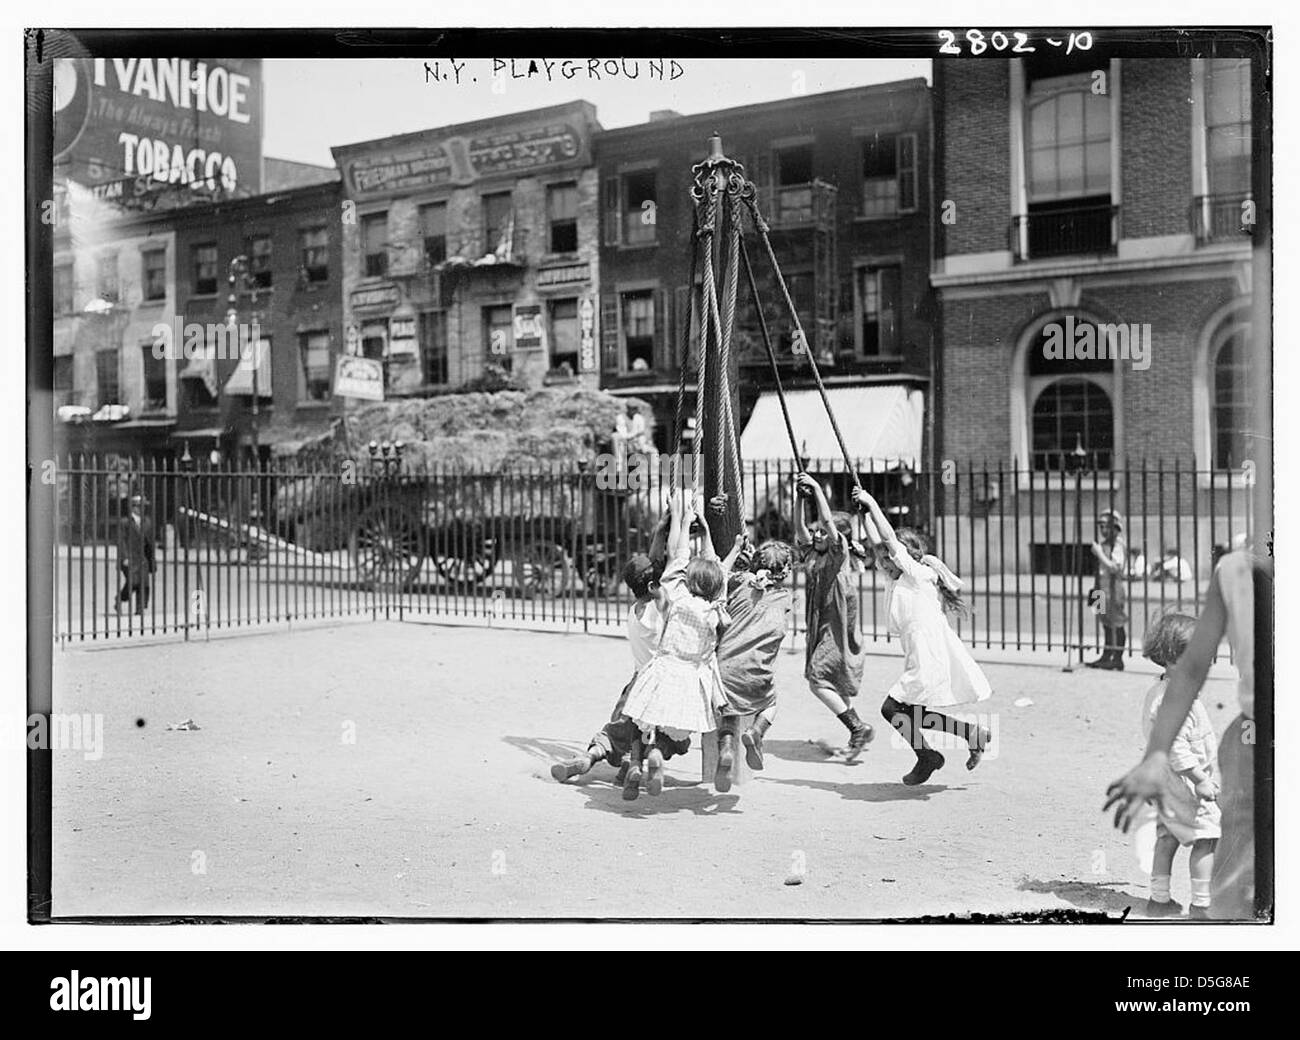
point(1149, 781)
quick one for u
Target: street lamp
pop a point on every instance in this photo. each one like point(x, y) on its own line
point(241, 279)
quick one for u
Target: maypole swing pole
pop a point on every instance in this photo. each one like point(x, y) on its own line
point(751, 198)
point(771, 356)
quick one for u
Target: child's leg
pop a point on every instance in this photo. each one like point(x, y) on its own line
point(752, 738)
point(601, 746)
point(632, 780)
point(900, 716)
point(1200, 868)
point(976, 737)
point(722, 775)
point(1160, 902)
point(860, 733)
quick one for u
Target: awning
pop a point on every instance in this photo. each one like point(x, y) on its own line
point(882, 426)
point(241, 380)
point(203, 366)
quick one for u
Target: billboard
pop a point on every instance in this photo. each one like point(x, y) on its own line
point(159, 132)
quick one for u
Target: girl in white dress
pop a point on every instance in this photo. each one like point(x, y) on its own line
point(677, 692)
point(938, 670)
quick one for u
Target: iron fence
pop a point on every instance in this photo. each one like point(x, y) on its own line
point(544, 546)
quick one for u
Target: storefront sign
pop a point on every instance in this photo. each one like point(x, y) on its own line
point(401, 336)
point(530, 327)
point(380, 296)
point(587, 329)
point(359, 377)
point(461, 159)
point(570, 274)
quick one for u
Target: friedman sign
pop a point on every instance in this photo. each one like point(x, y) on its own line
point(159, 131)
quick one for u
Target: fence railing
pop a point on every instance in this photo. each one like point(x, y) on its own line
point(544, 546)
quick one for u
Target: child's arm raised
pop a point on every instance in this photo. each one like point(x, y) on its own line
point(814, 489)
point(729, 561)
point(706, 536)
point(800, 521)
point(659, 539)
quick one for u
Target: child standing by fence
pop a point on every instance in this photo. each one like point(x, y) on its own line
point(938, 670)
point(1111, 555)
point(1192, 758)
point(833, 664)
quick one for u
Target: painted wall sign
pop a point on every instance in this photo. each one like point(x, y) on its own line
point(159, 132)
point(462, 160)
point(530, 327)
point(379, 296)
point(359, 377)
point(587, 331)
point(569, 274)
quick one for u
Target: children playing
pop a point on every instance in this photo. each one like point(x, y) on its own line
point(1191, 757)
point(833, 663)
point(938, 670)
point(677, 693)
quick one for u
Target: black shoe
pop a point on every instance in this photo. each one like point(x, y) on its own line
point(722, 776)
point(632, 783)
point(858, 740)
point(978, 744)
point(621, 775)
point(753, 741)
point(1198, 913)
point(927, 762)
point(571, 767)
point(654, 772)
point(1107, 662)
point(1170, 908)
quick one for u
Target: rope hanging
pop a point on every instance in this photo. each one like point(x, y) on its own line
point(692, 321)
point(771, 355)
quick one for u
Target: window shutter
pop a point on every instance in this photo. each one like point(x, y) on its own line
point(907, 173)
point(613, 211)
point(609, 332)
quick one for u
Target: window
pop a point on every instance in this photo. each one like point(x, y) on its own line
point(314, 349)
point(107, 378)
point(63, 382)
point(794, 177)
point(205, 269)
point(63, 289)
point(1071, 406)
point(564, 336)
point(498, 223)
point(499, 334)
point(258, 250)
point(155, 380)
point(638, 326)
point(1067, 139)
point(154, 262)
point(374, 245)
point(1230, 403)
point(374, 340)
point(433, 347)
point(1227, 126)
point(888, 175)
point(106, 277)
point(639, 205)
point(878, 296)
point(433, 230)
point(562, 215)
point(313, 249)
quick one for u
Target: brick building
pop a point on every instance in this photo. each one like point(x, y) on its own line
point(474, 247)
point(1093, 201)
point(842, 178)
point(292, 246)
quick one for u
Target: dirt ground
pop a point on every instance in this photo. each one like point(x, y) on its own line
point(402, 770)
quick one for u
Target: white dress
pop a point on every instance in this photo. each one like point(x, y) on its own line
point(679, 689)
point(938, 670)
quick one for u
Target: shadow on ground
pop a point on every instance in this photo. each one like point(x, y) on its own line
point(879, 792)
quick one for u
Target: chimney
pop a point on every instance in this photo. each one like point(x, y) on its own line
point(662, 115)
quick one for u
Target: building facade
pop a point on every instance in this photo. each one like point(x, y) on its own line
point(842, 179)
point(1094, 269)
point(288, 304)
point(470, 252)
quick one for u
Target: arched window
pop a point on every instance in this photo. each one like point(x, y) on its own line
point(1230, 400)
point(1071, 415)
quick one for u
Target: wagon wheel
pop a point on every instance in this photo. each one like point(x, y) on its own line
point(387, 546)
point(542, 569)
point(468, 560)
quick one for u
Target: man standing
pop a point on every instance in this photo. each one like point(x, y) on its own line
point(135, 556)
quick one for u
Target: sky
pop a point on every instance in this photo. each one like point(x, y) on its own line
point(312, 104)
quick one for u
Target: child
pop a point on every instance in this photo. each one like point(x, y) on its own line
point(938, 670)
point(833, 663)
point(614, 740)
point(1191, 757)
point(677, 693)
point(759, 605)
point(1111, 555)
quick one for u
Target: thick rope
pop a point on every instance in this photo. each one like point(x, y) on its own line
point(727, 439)
point(710, 310)
point(692, 320)
point(771, 355)
point(762, 227)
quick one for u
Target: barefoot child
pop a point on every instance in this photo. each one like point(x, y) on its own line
point(833, 664)
point(644, 625)
point(938, 670)
point(1192, 757)
point(677, 693)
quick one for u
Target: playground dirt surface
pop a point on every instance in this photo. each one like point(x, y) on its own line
point(403, 771)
